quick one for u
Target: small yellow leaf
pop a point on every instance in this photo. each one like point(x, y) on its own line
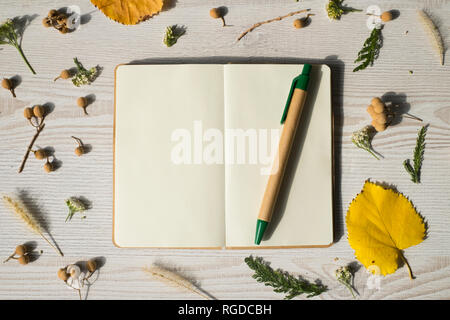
point(381, 223)
point(129, 11)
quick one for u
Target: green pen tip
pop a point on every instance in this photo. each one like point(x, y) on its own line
point(261, 226)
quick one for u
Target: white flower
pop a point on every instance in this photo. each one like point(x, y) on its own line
point(75, 281)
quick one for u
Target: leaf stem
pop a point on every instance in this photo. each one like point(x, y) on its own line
point(411, 276)
point(53, 246)
point(19, 48)
point(30, 146)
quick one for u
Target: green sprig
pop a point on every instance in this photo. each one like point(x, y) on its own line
point(419, 150)
point(83, 75)
point(281, 281)
point(9, 35)
point(335, 9)
point(370, 50)
point(172, 34)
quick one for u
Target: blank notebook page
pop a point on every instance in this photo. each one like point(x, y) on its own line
point(159, 203)
point(255, 96)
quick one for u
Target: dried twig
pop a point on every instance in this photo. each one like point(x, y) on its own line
point(256, 25)
point(30, 146)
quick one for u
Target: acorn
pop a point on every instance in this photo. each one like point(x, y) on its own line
point(216, 13)
point(39, 111)
point(299, 23)
point(28, 113)
point(40, 154)
point(378, 105)
point(82, 102)
point(386, 16)
point(62, 274)
point(8, 85)
point(21, 250)
point(23, 260)
point(48, 166)
point(65, 74)
point(91, 265)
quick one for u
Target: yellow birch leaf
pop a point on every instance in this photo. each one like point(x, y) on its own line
point(129, 11)
point(381, 223)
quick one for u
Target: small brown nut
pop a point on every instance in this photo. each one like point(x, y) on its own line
point(21, 250)
point(46, 22)
point(380, 118)
point(52, 13)
point(91, 265)
point(28, 113)
point(299, 23)
point(7, 84)
point(39, 111)
point(82, 102)
point(378, 105)
point(40, 154)
point(48, 167)
point(64, 30)
point(215, 13)
point(386, 16)
point(79, 151)
point(24, 259)
point(62, 274)
point(371, 111)
point(378, 126)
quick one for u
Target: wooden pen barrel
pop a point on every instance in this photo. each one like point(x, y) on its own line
point(282, 156)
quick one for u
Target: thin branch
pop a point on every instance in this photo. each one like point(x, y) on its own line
point(25, 157)
point(256, 25)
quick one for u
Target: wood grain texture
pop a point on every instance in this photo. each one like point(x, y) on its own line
point(221, 273)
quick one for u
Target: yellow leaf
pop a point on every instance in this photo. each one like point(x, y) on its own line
point(129, 11)
point(381, 223)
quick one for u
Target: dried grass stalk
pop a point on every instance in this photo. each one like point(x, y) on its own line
point(173, 279)
point(22, 212)
point(434, 33)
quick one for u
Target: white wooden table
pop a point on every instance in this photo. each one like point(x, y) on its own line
point(221, 273)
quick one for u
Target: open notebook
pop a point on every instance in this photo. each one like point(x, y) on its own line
point(193, 147)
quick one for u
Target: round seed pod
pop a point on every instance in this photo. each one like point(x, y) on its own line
point(215, 13)
point(91, 265)
point(378, 105)
point(65, 74)
point(40, 154)
point(82, 102)
point(380, 118)
point(61, 18)
point(46, 22)
point(64, 30)
point(386, 16)
point(79, 151)
point(39, 111)
point(299, 23)
point(7, 84)
point(21, 250)
point(48, 167)
point(52, 13)
point(28, 113)
point(371, 111)
point(62, 274)
point(23, 260)
point(378, 126)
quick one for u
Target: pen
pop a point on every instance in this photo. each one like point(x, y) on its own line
point(290, 119)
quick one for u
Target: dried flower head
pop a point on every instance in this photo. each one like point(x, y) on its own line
point(75, 205)
point(83, 75)
point(362, 139)
point(345, 276)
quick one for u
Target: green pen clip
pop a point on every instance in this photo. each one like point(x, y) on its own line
point(300, 82)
